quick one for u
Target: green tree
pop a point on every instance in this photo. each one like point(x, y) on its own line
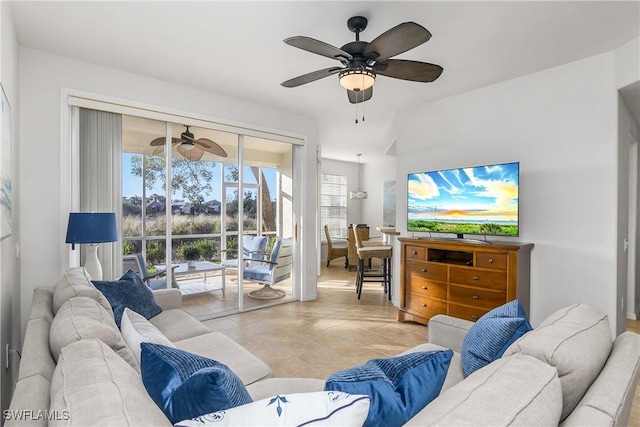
point(192, 178)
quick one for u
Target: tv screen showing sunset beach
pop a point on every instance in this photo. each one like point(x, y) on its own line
point(476, 200)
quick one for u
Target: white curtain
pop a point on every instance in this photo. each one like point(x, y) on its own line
point(100, 136)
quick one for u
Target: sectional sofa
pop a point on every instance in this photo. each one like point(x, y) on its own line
point(76, 368)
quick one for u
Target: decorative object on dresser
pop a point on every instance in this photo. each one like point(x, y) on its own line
point(463, 279)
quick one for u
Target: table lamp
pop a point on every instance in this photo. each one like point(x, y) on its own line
point(91, 228)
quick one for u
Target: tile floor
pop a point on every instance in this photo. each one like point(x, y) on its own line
point(337, 331)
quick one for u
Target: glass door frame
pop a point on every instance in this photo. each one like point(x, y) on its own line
point(71, 99)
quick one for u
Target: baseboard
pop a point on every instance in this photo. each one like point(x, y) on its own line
point(632, 316)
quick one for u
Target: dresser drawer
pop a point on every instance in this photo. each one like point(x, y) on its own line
point(482, 278)
point(467, 313)
point(425, 307)
point(416, 252)
point(426, 287)
point(487, 260)
point(476, 296)
point(427, 270)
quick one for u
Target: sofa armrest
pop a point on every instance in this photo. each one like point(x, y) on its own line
point(168, 298)
point(447, 331)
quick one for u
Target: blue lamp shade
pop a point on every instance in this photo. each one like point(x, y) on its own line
point(91, 227)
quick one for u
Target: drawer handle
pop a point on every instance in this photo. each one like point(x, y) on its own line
point(474, 317)
point(475, 297)
point(424, 305)
point(424, 270)
point(475, 278)
point(415, 252)
point(490, 260)
point(425, 288)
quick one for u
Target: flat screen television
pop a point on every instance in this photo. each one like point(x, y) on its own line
point(481, 200)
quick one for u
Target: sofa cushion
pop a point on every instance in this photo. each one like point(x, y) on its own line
point(517, 390)
point(94, 386)
point(136, 330)
point(272, 386)
point(492, 334)
point(399, 387)
point(176, 324)
point(220, 347)
point(130, 292)
point(83, 318)
point(322, 408)
point(576, 340)
point(185, 385)
point(76, 282)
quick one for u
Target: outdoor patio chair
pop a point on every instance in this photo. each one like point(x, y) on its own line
point(136, 263)
point(253, 248)
point(272, 270)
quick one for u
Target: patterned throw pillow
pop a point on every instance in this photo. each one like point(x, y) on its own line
point(128, 292)
point(399, 387)
point(321, 408)
point(185, 385)
point(492, 334)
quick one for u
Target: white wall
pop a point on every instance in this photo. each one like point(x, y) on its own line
point(10, 331)
point(561, 125)
point(42, 75)
point(374, 174)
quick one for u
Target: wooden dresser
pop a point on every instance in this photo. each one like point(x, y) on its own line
point(460, 278)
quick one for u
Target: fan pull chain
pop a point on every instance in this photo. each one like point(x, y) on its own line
point(356, 107)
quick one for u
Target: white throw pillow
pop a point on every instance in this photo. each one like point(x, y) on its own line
point(136, 329)
point(322, 408)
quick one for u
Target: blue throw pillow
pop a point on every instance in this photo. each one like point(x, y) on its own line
point(492, 334)
point(399, 387)
point(185, 385)
point(130, 292)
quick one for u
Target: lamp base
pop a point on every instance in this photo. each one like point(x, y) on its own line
point(91, 264)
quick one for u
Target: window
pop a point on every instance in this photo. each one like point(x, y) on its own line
point(333, 204)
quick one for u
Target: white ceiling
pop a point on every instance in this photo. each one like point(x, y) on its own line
point(236, 48)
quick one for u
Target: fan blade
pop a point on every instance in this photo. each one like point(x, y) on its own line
point(360, 96)
point(160, 141)
point(397, 40)
point(211, 147)
point(310, 77)
point(194, 153)
point(317, 47)
point(414, 71)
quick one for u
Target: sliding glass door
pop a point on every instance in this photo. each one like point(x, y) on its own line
point(192, 196)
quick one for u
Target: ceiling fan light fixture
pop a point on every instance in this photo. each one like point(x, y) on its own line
point(187, 145)
point(357, 80)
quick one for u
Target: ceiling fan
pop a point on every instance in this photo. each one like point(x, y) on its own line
point(189, 147)
point(363, 61)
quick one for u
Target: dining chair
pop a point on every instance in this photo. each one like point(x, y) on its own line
point(382, 275)
point(337, 249)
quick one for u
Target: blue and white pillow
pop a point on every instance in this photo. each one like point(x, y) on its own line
point(321, 408)
point(128, 292)
point(185, 385)
point(492, 334)
point(399, 387)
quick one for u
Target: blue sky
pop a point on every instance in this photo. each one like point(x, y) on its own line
point(484, 192)
point(132, 186)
